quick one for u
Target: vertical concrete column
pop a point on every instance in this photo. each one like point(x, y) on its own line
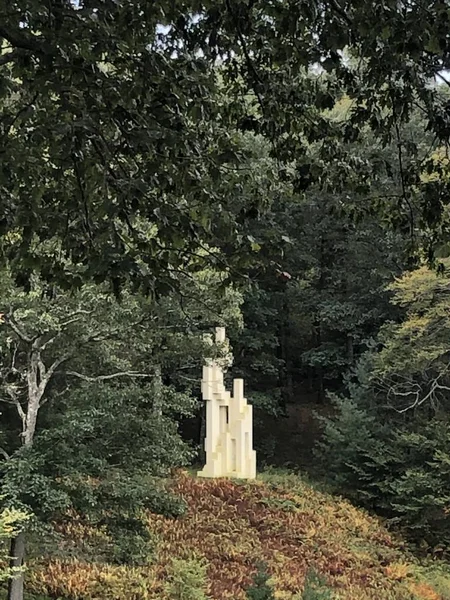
point(229, 424)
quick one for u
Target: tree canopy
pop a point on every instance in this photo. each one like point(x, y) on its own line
point(120, 121)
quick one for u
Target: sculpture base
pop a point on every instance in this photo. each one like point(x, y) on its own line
point(227, 476)
point(216, 470)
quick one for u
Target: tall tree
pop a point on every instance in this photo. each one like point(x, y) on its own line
point(388, 445)
point(66, 445)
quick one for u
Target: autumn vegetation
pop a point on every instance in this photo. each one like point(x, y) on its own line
point(230, 527)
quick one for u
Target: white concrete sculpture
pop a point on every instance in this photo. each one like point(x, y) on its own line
point(229, 424)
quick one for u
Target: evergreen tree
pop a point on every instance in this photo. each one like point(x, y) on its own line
point(260, 589)
point(388, 447)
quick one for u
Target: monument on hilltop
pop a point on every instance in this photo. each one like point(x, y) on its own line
point(229, 424)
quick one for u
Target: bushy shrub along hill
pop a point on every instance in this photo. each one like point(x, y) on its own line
point(228, 529)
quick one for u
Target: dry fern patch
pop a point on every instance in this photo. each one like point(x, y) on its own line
point(278, 519)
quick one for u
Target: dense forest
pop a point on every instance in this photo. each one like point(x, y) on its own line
point(278, 168)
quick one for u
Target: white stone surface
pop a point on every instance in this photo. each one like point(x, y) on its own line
point(229, 424)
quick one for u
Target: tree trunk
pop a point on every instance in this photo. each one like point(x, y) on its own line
point(320, 377)
point(321, 288)
point(37, 379)
point(17, 552)
point(17, 548)
point(320, 385)
point(350, 349)
point(287, 396)
point(157, 392)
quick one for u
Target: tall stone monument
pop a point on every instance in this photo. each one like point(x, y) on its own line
point(229, 424)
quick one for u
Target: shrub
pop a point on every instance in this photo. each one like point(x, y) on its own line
point(11, 523)
point(398, 466)
point(358, 453)
point(316, 588)
point(132, 543)
point(260, 589)
point(187, 580)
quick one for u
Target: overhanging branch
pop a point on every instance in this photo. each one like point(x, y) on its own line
point(25, 42)
point(9, 57)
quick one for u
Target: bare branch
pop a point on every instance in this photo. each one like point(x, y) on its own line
point(13, 359)
point(41, 368)
point(341, 12)
point(55, 395)
point(100, 336)
point(431, 389)
point(14, 391)
point(54, 366)
point(107, 377)
point(190, 379)
point(4, 454)
point(17, 330)
point(21, 412)
point(75, 317)
point(44, 345)
point(442, 78)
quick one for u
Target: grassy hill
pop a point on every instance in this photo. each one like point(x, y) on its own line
point(230, 526)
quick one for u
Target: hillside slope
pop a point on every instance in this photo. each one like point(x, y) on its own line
point(278, 519)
